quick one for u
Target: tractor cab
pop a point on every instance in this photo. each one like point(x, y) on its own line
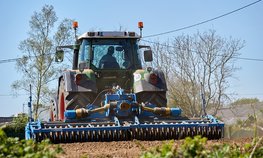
point(110, 50)
point(112, 56)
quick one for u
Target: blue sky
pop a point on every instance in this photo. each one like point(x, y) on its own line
point(158, 16)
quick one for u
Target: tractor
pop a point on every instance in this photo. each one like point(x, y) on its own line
point(109, 95)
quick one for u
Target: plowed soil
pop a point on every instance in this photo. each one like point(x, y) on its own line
point(125, 149)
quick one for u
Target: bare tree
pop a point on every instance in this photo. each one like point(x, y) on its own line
point(162, 58)
point(37, 64)
point(201, 58)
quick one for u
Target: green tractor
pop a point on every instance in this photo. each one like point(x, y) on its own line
point(101, 61)
point(109, 96)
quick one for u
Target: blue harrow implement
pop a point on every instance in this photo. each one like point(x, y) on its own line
point(122, 118)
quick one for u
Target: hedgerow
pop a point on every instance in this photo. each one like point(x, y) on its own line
point(13, 147)
point(196, 148)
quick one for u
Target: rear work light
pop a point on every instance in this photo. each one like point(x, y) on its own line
point(91, 33)
point(153, 79)
point(131, 33)
point(78, 78)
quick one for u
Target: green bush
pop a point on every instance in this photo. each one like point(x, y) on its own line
point(193, 147)
point(196, 148)
point(226, 150)
point(17, 127)
point(13, 147)
point(166, 150)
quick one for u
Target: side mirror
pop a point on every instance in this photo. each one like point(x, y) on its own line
point(148, 55)
point(82, 66)
point(59, 55)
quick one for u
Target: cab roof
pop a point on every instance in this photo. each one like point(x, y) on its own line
point(109, 34)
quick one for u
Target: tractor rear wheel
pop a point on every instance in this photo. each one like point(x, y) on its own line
point(54, 109)
point(79, 99)
point(61, 101)
point(157, 98)
point(71, 100)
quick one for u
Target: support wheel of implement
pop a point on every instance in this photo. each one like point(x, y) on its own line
point(157, 98)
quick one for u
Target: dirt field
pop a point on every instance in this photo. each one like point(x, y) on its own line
point(122, 149)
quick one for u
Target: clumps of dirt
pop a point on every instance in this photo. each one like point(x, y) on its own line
point(108, 149)
point(129, 149)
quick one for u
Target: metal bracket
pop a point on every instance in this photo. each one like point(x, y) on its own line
point(136, 120)
point(117, 122)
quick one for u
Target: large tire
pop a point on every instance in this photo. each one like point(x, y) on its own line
point(79, 99)
point(61, 101)
point(157, 98)
point(54, 109)
point(71, 100)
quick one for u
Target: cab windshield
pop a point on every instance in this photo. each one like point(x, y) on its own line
point(110, 53)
